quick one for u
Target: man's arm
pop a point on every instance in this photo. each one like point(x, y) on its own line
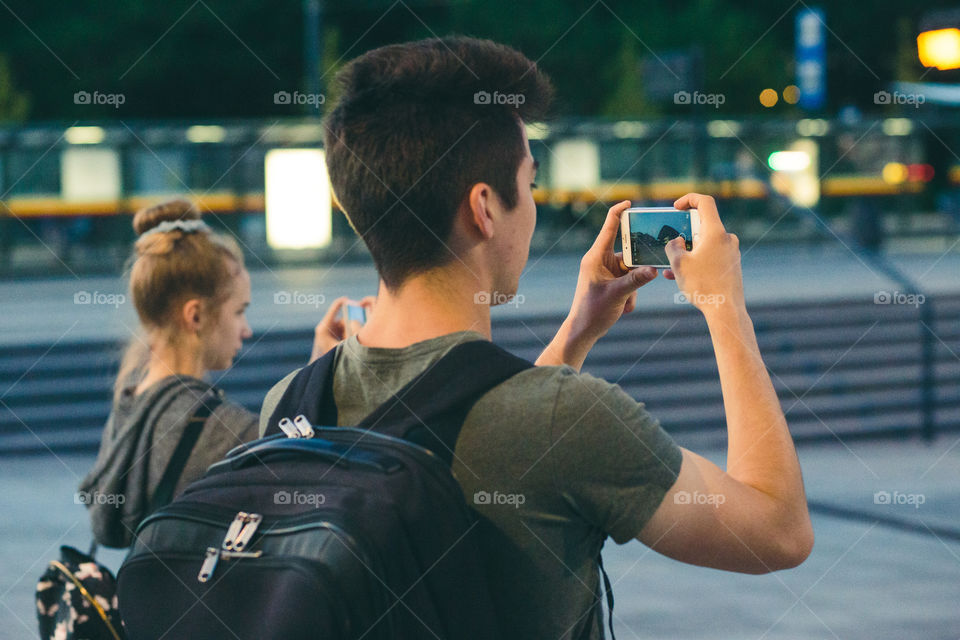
point(753, 517)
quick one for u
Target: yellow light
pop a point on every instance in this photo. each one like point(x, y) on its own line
point(84, 135)
point(939, 48)
point(894, 173)
point(897, 126)
point(812, 127)
point(791, 94)
point(628, 129)
point(206, 133)
point(297, 199)
point(723, 128)
point(768, 97)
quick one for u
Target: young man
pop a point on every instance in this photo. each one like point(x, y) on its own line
point(428, 157)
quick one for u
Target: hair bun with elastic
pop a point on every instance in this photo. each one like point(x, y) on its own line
point(174, 210)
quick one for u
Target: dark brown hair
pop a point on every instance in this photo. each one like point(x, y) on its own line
point(416, 126)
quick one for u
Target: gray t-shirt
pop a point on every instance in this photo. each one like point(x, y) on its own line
point(552, 460)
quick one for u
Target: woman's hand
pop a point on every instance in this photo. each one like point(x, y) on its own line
point(330, 331)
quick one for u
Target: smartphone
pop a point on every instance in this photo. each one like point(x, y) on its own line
point(353, 314)
point(645, 231)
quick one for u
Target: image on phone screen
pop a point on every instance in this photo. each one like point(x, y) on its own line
point(650, 231)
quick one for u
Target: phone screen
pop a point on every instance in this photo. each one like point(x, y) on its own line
point(356, 313)
point(650, 231)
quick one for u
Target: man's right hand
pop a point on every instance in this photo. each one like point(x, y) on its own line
point(710, 274)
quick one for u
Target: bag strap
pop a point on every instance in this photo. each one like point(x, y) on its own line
point(608, 590)
point(178, 461)
point(71, 576)
point(314, 379)
point(429, 410)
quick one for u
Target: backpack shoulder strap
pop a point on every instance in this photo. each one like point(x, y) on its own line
point(178, 461)
point(307, 393)
point(429, 410)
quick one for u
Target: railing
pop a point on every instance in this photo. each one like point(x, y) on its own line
point(847, 368)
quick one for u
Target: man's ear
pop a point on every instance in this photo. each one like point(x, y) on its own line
point(191, 315)
point(482, 202)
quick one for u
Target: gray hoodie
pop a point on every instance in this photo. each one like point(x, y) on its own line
point(139, 439)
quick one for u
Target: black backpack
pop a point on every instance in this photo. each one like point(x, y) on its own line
point(327, 532)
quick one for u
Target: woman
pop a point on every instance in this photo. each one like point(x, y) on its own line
point(191, 291)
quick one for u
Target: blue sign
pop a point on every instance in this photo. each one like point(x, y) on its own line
point(811, 58)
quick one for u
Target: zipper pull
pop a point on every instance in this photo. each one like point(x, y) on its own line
point(209, 564)
point(288, 428)
point(243, 538)
point(303, 426)
point(234, 530)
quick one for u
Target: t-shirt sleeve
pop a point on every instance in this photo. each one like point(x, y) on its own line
point(612, 462)
point(272, 399)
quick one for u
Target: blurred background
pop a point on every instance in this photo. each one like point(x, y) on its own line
point(828, 132)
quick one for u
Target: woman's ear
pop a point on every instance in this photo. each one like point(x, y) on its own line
point(191, 315)
point(482, 200)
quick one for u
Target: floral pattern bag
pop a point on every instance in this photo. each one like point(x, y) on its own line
point(77, 599)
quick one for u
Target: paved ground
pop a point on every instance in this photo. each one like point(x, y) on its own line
point(865, 579)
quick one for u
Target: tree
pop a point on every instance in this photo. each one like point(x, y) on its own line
point(14, 104)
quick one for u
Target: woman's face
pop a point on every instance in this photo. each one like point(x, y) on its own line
point(224, 339)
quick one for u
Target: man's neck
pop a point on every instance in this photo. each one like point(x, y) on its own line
point(426, 306)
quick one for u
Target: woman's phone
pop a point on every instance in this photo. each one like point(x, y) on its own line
point(354, 316)
point(645, 231)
